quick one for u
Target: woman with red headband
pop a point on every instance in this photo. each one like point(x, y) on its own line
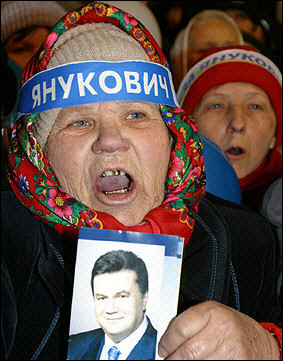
point(235, 95)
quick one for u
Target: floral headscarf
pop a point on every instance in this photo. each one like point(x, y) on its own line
point(35, 184)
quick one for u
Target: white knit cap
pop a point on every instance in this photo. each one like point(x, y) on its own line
point(18, 15)
point(87, 42)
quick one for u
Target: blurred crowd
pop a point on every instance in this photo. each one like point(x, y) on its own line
point(259, 21)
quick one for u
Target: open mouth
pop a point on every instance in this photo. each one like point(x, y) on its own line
point(114, 182)
point(235, 151)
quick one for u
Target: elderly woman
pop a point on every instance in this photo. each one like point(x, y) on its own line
point(235, 95)
point(206, 30)
point(24, 26)
point(101, 143)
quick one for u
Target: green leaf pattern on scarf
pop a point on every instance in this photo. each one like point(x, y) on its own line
point(186, 179)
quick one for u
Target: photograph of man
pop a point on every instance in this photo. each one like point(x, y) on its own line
point(119, 283)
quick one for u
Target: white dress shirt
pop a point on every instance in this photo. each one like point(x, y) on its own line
point(125, 346)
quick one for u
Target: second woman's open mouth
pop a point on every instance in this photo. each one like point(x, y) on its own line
point(235, 152)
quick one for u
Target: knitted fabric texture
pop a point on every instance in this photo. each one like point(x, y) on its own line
point(233, 64)
point(95, 41)
point(34, 182)
point(240, 64)
point(18, 15)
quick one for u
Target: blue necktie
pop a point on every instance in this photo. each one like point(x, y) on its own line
point(113, 353)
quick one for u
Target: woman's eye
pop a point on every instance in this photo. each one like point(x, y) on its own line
point(19, 50)
point(256, 106)
point(23, 47)
point(81, 123)
point(215, 106)
point(135, 115)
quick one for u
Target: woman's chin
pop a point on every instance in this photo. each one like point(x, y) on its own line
point(243, 172)
point(128, 223)
point(128, 218)
point(129, 215)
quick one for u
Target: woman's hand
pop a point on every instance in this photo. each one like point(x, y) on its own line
point(213, 331)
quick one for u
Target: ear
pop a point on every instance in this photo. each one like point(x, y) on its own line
point(272, 143)
point(144, 301)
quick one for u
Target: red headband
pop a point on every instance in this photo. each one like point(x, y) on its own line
point(233, 64)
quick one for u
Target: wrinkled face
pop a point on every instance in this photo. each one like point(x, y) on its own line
point(21, 47)
point(240, 119)
point(207, 35)
point(112, 156)
point(119, 305)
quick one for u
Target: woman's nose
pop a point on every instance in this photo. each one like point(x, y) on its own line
point(237, 122)
point(110, 139)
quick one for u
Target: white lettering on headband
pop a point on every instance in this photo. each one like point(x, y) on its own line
point(96, 81)
point(227, 56)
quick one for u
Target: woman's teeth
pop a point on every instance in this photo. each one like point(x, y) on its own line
point(120, 184)
point(123, 190)
point(109, 173)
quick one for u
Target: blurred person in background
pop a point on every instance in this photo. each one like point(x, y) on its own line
point(170, 15)
point(24, 26)
point(245, 15)
point(206, 30)
point(259, 20)
point(271, 209)
point(235, 95)
point(8, 99)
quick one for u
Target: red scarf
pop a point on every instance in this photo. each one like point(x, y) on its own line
point(256, 183)
point(36, 186)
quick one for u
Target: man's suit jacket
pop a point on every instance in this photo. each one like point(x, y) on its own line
point(88, 345)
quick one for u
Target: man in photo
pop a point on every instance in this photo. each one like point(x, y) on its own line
point(119, 283)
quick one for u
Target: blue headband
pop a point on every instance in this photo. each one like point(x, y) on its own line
point(96, 81)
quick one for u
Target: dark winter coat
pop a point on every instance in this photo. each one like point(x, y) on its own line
point(231, 258)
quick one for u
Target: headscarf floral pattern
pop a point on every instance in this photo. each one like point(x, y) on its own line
point(36, 186)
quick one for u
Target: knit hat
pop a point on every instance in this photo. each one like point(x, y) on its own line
point(87, 42)
point(233, 64)
point(18, 15)
point(72, 84)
